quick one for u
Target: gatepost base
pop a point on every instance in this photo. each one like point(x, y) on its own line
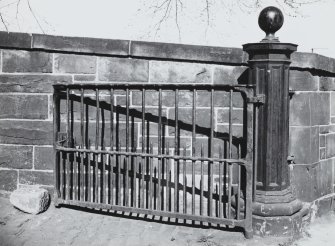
point(286, 219)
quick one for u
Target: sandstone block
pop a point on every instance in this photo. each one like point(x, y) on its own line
point(24, 106)
point(81, 44)
point(230, 75)
point(8, 180)
point(303, 81)
point(123, 69)
point(12, 156)
point(31, 82)
point(66, 63)
point(178, 72)
point(21, 61)
point(15, 40)
point(36, 177)
point(189, 52)
point(330, 145)
point(30, 199)
point(332, 103)
point(327, 84)
point(304, 144)
point(26, 132)
point(44, 158)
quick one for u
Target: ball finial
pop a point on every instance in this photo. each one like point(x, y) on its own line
point(270, 20)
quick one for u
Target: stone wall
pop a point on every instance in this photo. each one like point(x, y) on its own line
point(30, 64)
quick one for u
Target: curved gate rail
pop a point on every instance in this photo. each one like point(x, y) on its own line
point(182, 151)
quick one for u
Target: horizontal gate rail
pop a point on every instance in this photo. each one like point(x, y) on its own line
point(116, 151)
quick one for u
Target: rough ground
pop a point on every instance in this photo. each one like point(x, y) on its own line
point(65, 226)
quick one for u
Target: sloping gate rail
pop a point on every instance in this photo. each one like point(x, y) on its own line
point(147, 149)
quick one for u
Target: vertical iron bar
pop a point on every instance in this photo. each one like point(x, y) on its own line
point(127, 157)
point(57, 154)
point(82, 133)
point(210, 164)
point(103, 176)
point(184, 184)
point(201, 180)
point(96, 156)
point(75, 175)
point(167, 200)
point(143, 149)
point(67, 185)
point(159, 161)
point(119, 176)
point(220, 182)
point(135, 159)
point(151, 177)
point(176, 150)
point(238, 185)
point(111, 144)
point(230, 152)
point(194, 111)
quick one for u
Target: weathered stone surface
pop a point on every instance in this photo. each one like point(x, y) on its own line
point(325, 178)
point(304, 181)
point(85, 77)
point(330, 145)
point(320, 110)
point(187, 52)
point(300, 110)
point(332, 103)
point(26, 132)
point(230, 75)
point(44, 158)
point(31, 83)
point(304, 144)
point(8, 180)
point(31, 200)
point(313, 61)
point(310, 109)
point(35, 177)
point(15, 40)
point(312, 181)
point(12, 156)
point(177, 72)
point(81, 44)
point(322, 141)
point(223, 116)
point(68, 63)
point(26, 61)
point(123, 69)
point(327, 84)
point(24, 106)
point(322, 153)
point(303, 81)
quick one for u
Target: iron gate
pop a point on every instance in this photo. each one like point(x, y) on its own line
point(181, 151)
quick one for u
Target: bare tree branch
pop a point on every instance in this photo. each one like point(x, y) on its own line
point(37, 21)
point(3, 22)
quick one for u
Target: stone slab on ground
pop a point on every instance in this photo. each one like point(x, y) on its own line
point(31, 200)
point(69, 226)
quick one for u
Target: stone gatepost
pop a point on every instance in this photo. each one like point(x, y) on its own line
point(276, 211)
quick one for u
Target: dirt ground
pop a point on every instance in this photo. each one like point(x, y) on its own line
point(68, 226)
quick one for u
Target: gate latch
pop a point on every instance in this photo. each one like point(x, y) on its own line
point(259, 99)
point(61, 138)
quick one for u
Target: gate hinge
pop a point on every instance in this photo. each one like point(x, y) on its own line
point(259, 99)
point(62, 138)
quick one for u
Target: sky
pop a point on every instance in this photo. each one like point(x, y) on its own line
point(230, 24)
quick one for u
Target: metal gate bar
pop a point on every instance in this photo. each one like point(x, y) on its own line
point(143, 178)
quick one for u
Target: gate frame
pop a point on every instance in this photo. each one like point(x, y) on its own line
point(250, 103)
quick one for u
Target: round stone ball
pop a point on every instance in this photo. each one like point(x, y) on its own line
point(270, 20)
